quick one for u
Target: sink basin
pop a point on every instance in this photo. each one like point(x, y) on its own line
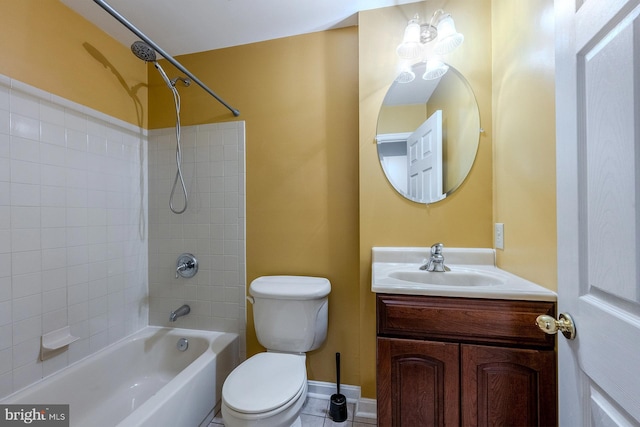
point(448, 278)
point(473, 274)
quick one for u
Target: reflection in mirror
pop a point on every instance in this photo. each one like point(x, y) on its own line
point(427, 135)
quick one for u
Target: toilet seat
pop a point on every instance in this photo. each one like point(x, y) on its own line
point(265, 382)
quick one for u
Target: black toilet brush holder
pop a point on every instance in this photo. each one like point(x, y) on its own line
point(338, 404)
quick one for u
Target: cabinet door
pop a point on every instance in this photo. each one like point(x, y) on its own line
point(418, 383)
point(508, 387)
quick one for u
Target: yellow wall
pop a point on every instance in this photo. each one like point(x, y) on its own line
point(386, 219)
point(47, 45)
point(299, 99)
point(524, 137)
point(400, 118)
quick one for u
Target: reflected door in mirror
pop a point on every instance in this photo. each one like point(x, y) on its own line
point(424, 149)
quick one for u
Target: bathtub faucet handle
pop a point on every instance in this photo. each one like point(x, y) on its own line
point(187, 266)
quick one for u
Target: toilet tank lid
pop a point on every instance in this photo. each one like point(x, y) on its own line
point(290, 287)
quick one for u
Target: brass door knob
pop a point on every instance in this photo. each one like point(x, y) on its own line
point(551, 326)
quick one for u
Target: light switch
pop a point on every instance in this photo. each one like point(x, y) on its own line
point(499, 235)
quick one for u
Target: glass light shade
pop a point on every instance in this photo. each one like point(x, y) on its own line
point(448, 38)
point(435, 69)
point(406, 76)
point(410, 47)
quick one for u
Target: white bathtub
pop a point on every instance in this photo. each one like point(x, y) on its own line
point(142, 380)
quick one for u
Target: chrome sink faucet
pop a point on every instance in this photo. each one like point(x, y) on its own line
point(182, 311)
point(436, 261)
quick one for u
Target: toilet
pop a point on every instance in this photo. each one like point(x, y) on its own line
point(290, 314)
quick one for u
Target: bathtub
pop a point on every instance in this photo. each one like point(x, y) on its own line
point(142, 380)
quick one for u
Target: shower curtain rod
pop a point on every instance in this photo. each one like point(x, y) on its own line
point(164, 54)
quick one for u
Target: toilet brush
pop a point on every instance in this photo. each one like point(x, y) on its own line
point(338, 406)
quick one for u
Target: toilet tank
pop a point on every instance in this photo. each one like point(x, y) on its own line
point(290, 313)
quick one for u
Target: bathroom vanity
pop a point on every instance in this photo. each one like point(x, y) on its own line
point(456, 354)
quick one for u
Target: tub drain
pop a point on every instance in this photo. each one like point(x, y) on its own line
point(183, 344)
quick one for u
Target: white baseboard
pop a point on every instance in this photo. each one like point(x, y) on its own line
point(365, 408)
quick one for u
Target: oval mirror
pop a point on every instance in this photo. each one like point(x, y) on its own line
point(428, 133)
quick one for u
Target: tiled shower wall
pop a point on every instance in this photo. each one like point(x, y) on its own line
point(73, 230)
point(212, 228)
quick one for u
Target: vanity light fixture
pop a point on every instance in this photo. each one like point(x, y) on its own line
point(442, 31)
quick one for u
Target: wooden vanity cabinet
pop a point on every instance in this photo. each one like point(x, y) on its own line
point(464, 362)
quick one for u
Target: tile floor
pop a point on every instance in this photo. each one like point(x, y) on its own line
point(315, 413)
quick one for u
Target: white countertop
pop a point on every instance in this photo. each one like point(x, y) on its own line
point(474, 263)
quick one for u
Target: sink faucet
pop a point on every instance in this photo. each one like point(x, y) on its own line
point(436, 261)
point(182, 311)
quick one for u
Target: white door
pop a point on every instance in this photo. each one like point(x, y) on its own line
point(424, 157)
point(598, 159)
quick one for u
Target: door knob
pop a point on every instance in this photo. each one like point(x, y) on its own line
point(551, 326)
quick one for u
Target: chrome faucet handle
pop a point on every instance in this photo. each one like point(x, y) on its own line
point(187, 266)
point(436, 262)
point(436, 249)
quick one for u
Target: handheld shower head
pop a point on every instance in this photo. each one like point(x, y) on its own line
point(143, 51)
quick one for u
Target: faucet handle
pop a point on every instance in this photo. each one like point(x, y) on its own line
point(436, 249)
point(187, 266)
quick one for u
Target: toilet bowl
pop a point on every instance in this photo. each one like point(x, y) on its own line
point(270, 388)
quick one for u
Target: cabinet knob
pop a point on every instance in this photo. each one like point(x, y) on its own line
point(551, 326)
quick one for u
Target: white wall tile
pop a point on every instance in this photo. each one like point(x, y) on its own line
point(25, 239)
point(26, 307)
point(54, 300)
point(5, 289)
point(25, 216)
point(53, 237)
point(25, 127)
point(27, 374)
point(52, 134)
point(27, 329)
point(25, 149)
point(55, 247)
point(25, 172)
point(24, 104)
point(211, 223)
point(53, 175)
point(6, 361)
point(52, 196)
point(25, 284)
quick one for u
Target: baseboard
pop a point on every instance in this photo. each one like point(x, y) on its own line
point(324, 390)
point(365, 408)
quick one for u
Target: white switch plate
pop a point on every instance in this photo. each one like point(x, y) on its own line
point(499, 235)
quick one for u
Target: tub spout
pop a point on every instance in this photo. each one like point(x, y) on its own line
point(182, 311)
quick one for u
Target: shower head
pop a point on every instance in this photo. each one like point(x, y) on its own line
point(147, 54)
point(143, 51)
